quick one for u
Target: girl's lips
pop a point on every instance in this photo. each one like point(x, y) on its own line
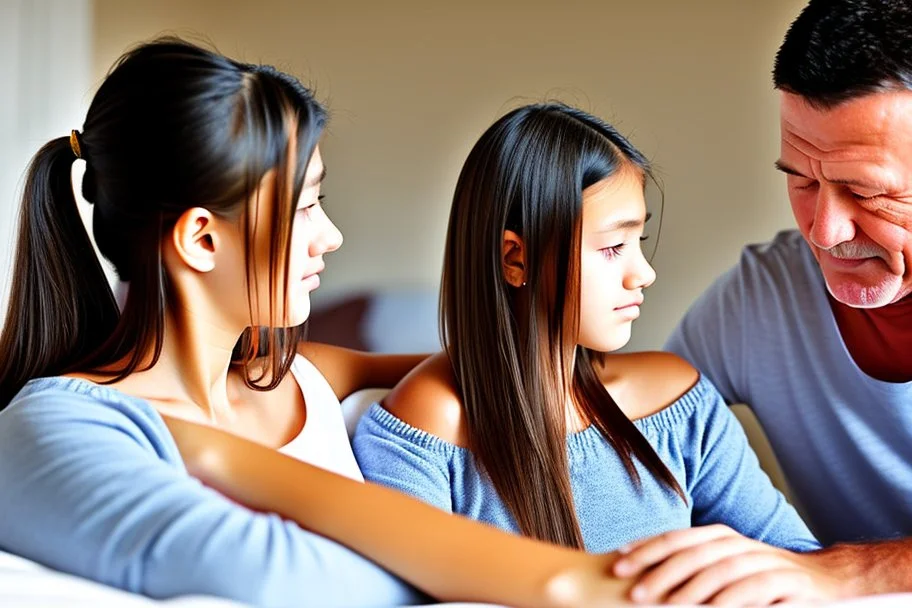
point(629, 312)
point(311, 281)
point(635, 303)
point(313, 274)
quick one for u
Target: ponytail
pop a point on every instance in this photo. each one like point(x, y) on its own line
point(61, 307)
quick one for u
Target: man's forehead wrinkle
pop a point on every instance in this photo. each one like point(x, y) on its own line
point(838, 154)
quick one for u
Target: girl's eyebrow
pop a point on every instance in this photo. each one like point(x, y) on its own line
point(626, 224)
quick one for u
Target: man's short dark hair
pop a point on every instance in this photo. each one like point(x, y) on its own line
point(838, 50)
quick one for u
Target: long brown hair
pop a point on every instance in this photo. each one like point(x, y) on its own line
point(173, 126)
point(514, 352)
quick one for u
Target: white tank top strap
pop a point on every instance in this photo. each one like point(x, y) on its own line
point(323, 441)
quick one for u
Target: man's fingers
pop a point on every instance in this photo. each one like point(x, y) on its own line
point(684, 565)
point(722, 575)
point(645, 554)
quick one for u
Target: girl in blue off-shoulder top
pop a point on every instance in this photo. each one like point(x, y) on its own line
point(525, 421)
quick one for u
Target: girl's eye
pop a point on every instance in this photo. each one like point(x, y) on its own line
point(306, 211)
point(616, 250)
point(612, 252)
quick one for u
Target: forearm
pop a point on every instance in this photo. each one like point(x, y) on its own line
point(868, 569)
point(447, 556)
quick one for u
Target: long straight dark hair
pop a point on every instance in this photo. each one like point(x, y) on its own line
point(172, 127)
point(513, 351)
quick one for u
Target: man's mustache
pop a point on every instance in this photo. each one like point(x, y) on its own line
point(853, 250)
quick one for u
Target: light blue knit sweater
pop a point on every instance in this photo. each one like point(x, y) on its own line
point(92, 483)
point(697, 437)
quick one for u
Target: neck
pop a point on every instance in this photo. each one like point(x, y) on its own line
point(194, 362)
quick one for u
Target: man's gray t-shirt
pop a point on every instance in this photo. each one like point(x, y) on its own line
point(765, 335)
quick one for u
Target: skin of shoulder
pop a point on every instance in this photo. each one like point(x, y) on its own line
point(645, 383)
point(428, 399)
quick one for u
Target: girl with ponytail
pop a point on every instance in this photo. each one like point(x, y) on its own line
point(205, 176)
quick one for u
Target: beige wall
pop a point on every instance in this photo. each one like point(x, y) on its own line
point(412, 83)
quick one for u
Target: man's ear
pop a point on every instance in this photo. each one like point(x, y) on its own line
point(513, 259)
point(195, 239)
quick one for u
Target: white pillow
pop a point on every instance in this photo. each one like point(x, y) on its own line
point(26, 584)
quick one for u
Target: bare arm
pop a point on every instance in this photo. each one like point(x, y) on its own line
point(349, 370)
point(449, 557)
point(868, 569)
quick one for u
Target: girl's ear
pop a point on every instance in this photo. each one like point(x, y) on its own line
point(195, 239)
point(513, 259)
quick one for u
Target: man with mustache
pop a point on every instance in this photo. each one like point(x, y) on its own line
point(814, 329)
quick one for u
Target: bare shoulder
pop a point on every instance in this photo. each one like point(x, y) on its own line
point(428, 399)
point(647, 382)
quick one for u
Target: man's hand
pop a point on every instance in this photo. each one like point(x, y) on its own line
point(715, 565)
